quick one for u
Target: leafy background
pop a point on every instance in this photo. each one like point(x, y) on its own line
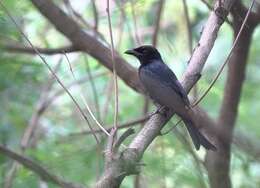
point(168, 162)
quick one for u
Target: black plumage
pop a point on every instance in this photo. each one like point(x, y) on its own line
point(164, 88)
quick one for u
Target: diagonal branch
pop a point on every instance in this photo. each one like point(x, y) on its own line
point(218, 164)
point(152, 128)
point(127, 124)
point(197, 62)
point(49, 68)
point(36, 168)
point(32, 127)
point(114, 66)
point(88, 43)
point(239, 31)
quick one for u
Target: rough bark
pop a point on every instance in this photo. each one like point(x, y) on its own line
point(127, 162)
point(218, 164)
point(87, 43)
point(152, 128)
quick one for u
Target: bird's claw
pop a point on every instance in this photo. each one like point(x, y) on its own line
point(162, 110)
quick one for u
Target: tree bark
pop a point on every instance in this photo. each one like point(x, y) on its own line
point(218, 163)
point(87, 43)
point(127, 161)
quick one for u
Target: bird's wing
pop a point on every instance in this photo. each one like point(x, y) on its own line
point(169, 78)
point(182, 92)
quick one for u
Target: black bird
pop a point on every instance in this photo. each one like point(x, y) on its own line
point(164, 88)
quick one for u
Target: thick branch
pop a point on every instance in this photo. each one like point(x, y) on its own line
point(152, 128)
point(90, 45)
point(218, 163)
point(87, 43)
point(197, 62)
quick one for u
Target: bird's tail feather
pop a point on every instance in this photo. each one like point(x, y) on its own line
point(197, 138)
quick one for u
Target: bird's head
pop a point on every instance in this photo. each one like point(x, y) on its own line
point(145, 53)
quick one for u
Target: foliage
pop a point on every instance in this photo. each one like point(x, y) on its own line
point(76, 158)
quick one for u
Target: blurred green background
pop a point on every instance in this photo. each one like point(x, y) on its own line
point(168, 162)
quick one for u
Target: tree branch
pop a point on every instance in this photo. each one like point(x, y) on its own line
point(218, 164)
point(159, 12)
point(199, 57)
point(47, 51)
point(36, 168)
point(32, 127)
point(120, 126)
point(152, 128)
point(88, 43)
point(92, 46)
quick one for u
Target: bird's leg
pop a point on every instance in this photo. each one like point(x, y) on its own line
point(160, 110)
point(188, 107)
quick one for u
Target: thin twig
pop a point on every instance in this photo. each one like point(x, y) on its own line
point(189, 38)
point(48, 51)
point(123, 14)
point(47, 65)
point(137, 38)
point(95, 13)
point(40, 108)
point(198, 162)
point(114, 66)
point(173, 127)
point(120, 126)
point(36, 168)
point(125, 5)
point(159, 13)
point(109, 149)
point(32, 126)
point(155, 124)
point(228, 57)
point(207, 4)
point(157, 22)
point(152, 128)
point(83, 21)
point(122, 138)
point(94, 89)
point(77, 82)
point(188, 25)
point(221, 68)
point(75, 13)
point(86, 104)
point(120, 27)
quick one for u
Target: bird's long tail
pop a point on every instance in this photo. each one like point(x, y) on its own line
point(197, 138)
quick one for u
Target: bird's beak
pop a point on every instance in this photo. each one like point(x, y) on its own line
point(132, 52)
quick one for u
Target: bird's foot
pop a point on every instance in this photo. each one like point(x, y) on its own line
point(188, 107)
point(162, 110)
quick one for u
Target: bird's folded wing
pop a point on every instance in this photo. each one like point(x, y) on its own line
point(168, 78)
